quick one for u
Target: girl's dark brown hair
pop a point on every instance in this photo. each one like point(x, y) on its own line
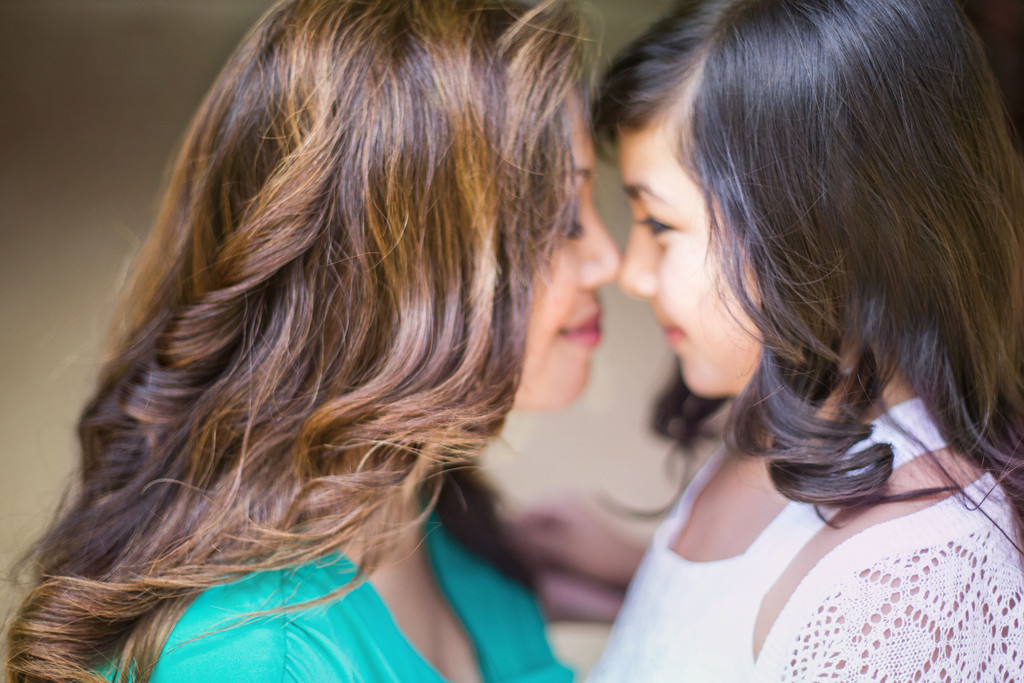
point(328, 318)
point(867, 208)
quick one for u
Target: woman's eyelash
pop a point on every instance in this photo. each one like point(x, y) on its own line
point(656, 227)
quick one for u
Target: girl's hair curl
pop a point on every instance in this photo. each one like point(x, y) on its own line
point(867, 209)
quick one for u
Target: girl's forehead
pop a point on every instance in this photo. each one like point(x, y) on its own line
point(649, 164)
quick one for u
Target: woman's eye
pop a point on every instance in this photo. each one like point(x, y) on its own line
point(656, 227)
point(575, 227)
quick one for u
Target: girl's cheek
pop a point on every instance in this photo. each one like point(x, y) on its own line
point(677, 301)
point(682, 279)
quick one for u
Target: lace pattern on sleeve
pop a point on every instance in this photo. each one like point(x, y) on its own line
point(950, 613)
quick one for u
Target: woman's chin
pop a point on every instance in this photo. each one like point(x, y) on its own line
point(551, 395)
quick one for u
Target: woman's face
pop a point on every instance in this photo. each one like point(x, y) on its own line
point(565, 322)
point(668, 264)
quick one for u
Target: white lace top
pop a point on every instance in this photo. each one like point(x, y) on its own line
point(932, 596)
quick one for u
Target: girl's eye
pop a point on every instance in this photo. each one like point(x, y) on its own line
point(656, 227)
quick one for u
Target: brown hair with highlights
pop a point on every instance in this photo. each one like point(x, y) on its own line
point(328, 319)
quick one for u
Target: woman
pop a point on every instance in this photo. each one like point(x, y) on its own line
point(378, 239)
point(828, 223)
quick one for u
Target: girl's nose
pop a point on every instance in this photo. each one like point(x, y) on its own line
point(638, 275)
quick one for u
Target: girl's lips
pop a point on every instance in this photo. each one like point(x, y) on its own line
point(673, 334)
point(587, 333)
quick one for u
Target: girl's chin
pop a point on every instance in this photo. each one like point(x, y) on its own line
point(711, 386)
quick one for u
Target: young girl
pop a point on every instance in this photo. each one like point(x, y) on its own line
point(378, 239)
point(827, 223)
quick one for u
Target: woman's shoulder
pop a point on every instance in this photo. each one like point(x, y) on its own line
point(937, 589)
point(260, 628)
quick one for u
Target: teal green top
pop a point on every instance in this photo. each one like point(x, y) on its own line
point(354, 638)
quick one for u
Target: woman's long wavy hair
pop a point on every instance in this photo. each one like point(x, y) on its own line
point(328, 318)
point(867, 209)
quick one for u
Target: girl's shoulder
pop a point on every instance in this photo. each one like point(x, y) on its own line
point(940, 588)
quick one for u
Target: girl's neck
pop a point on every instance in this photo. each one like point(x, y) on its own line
point(897, 391)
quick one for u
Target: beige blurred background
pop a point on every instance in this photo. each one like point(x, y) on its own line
point(94, 96)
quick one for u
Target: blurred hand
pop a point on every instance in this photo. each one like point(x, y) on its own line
point(574, 597)
point(568, 537)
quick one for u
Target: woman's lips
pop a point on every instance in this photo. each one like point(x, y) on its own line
point(587, 333)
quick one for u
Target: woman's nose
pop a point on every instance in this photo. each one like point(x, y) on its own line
point(638, 275)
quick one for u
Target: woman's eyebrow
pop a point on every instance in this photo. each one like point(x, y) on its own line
point(584, 173)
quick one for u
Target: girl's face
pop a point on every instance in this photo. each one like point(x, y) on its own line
point(668, 263)
point(565, 322)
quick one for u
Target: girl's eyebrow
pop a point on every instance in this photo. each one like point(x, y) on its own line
point(585, 173)
point(634, 190)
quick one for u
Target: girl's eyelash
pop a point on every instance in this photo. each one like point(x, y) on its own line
point(656, 227)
